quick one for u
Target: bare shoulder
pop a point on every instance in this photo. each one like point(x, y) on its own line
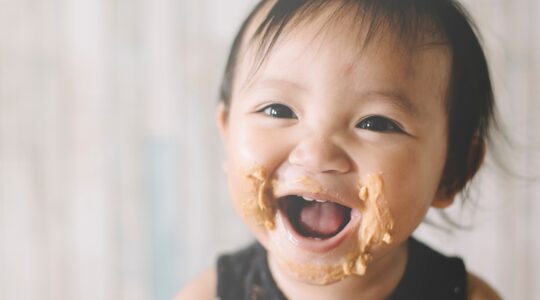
point(478, 289)
point(202, 287)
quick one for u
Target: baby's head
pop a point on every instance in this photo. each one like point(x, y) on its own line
point(379, 109)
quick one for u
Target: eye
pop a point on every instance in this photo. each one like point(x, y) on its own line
point(380, 124)
point(279, 111)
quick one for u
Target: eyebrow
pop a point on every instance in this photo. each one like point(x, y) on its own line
point(273, 81)
point(395, 98)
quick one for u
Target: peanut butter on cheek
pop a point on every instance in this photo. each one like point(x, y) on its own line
point(376, 226)
point(264, 211)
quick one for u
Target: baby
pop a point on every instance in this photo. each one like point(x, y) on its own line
point(343, 123)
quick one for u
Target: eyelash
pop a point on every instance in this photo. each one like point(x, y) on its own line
point(278, 111)
point(380, 124)
point(372, 123)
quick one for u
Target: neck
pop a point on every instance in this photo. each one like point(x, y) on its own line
point(381, 278)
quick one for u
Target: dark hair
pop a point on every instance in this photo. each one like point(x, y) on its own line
point(470, 103)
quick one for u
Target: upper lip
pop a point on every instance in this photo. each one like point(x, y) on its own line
point(318, 196)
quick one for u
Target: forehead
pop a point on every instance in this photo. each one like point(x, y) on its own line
point(358, 22)
point(340, 38)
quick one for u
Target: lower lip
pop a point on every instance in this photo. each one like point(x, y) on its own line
point(320, 245)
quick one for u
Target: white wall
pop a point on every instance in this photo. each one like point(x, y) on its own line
point(110, 167)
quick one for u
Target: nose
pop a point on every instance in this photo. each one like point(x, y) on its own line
point(319, 154)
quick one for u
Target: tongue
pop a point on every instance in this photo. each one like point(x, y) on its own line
point(321, 219)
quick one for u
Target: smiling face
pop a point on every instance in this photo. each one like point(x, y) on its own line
point(316, 121)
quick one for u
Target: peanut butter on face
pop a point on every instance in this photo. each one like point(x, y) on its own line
point(314, 273)
point(264, 211)
point(375, 227)
point(309, 182)
point(377, 222)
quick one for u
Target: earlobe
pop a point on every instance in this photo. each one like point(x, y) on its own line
point(444, 198)
point(445, 195)
point(476, 156)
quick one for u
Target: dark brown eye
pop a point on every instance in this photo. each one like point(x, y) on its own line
point(279, 111)
point(380, 124)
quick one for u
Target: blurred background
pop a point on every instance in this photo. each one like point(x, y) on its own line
point(110, 165)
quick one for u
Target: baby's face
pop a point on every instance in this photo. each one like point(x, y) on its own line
point(315, 122)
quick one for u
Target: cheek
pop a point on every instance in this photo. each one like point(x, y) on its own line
point(411, 181)
point(250, 146)
point(248, 152)
point(249, 189)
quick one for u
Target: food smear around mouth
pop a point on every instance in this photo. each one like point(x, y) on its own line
point(377, 222)
point(309, 183)
point(374, 229)
point(315, 273)
point(264, 211)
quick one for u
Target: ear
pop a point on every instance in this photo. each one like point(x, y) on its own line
point(446, 194)
point(476, 156)
point(222, 115)
point(443, 198)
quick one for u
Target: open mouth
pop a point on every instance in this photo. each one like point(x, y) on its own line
point(314, 219)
